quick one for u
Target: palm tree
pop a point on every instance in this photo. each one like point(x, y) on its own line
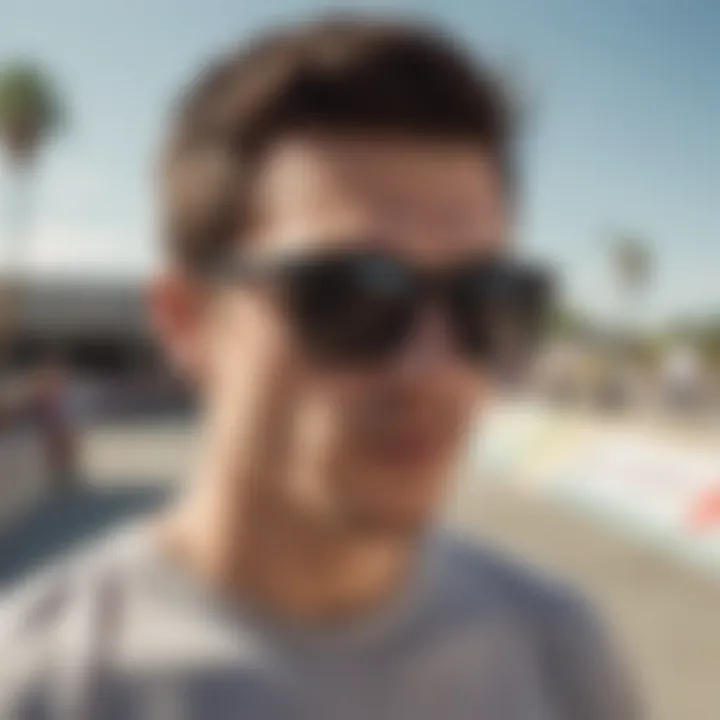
point(631, 259)
point(632, 263)
point(30, 112)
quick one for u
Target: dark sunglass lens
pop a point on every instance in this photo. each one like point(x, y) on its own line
point(354, 308)
point(499, 312)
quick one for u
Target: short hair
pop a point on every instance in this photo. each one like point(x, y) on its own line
point(338, 75)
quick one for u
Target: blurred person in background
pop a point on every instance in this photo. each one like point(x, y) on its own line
point(682, 378)
point(51, 401)
point(337, 199)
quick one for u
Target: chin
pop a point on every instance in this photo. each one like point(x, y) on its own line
point(385, 501)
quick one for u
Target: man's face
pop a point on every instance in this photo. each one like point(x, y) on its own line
point(372, 443)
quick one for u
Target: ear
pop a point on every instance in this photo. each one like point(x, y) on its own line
point(178, 310)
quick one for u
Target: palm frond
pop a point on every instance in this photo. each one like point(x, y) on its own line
point(30, 108)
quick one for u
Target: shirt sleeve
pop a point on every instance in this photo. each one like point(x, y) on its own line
point(28, 620)
point(587, 675)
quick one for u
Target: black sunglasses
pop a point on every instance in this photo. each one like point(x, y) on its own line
point(360, 306)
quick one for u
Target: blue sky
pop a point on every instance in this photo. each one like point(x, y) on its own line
point(627, 134)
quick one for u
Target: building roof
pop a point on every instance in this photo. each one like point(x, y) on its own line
point(79, 307)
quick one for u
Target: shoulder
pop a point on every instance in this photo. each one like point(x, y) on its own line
point(52, 590)
point(569, 639)
point(482, 573)
point(50, 620)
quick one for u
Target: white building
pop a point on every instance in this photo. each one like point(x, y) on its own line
point(100, 325)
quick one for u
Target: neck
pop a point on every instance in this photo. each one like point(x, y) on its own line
point(236, 535)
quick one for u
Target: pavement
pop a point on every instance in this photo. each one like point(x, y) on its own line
point(665, 614)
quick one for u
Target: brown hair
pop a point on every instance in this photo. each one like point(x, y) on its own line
point(336, 75)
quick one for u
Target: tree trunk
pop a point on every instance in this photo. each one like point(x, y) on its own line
point(12, 281)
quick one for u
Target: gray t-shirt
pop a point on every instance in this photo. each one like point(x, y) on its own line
point(118, 633)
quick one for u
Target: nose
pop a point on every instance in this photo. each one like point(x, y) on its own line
point(429, 347)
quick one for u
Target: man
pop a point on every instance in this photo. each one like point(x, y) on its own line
point(53, 414)
point(337, 204)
